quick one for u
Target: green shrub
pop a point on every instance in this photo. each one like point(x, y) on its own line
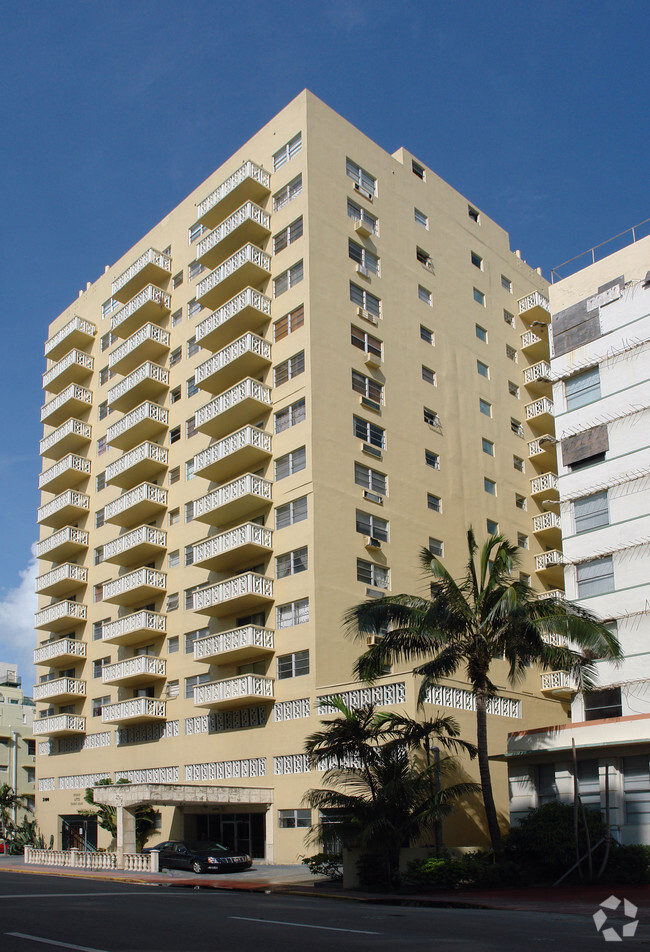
point(325, 864)
point(473, 869)
point(627, 865)
point(544, 840)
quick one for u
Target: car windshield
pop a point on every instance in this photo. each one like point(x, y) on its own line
point(205, 846)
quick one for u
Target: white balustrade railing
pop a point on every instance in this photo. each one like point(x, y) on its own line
point(247, 212)
point(69, 428)
point(247, 389)
point(555, 640)
point(250, 583)
point(132, 667)
point(249, 297)
point(73, 392)
point(63, 647)
point(151, 578)
point(145, 492)
point(541, 444)
point(547, 559)
point(552, 593)
point(146, 450)
point(143, 535)
point(236, 489)
point(535, 299)
point(247, 534)
point(247, 254)
point(552, 680)
point(69, 570)
point(75, 357)
point(61, 536)
point(246, 170)
point(57, 686)
point(247, 685)
point(77, 859)
point(76, 324)
point(68, 498)
point(546, 520)
point(538, 371)
point(64, 609)
point(146, 411)
point(247, 436)
point(544, 483)
point(149, 294)
point(146, 332)
point(146, 371)
point(250, 636)
point(59, 724)
point(134, 707)
point(538, 407)
point(150, 256)
point(530, 338)
point(78, 463)
point(142, 620)
point(248, 344)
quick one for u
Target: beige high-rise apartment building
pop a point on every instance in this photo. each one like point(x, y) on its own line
point(321, 360)
point(17, 745)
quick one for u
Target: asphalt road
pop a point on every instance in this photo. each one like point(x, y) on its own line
point(41, 913)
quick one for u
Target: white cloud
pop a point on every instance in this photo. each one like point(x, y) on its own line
point(17, 636)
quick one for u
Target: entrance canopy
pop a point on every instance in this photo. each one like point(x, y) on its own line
point(178, 794)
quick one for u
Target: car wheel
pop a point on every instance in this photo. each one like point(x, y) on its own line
point(196, 867)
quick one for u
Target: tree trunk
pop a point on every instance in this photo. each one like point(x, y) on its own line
point(484, 771)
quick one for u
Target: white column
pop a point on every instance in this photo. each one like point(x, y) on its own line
point(125, 834)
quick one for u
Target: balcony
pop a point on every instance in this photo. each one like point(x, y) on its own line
point(62, 545)
point(137, 710)
point(539, 413)
point(248, 266)
point(537, 378)
point(64, 509)
point(146, 382)
point(247, 311)
point(62, 580)
point(139, 545)
point(550, 567)
point(76, 333)
point(534, 347)
point(246, 357)
point(547, 528)
point(61, 615)
point(142, 669)
point(70, 402)
point(70, 436)
point(235, 692)
point(67, 473)
point(145, 422)
point(542, 450)
point(150, 342)
point(60, 690)
point(235, 646)
point(234, 547)
point(249, 223)
point(545, 485)
point(246, 449)
point(247, 592)
point(150, 304)
point(152, 266)
point(141, 504)
point(139, 464)
point(249, 182)
point(535, 307)
point(552, 593)
point(135, 587)
point(62, 651)
point(244, 496)
point(59, 725)
point(558, 684)
point(75, 367)
point(235, 407)
point(137, 628)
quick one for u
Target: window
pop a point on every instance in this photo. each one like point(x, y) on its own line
point(489, 486)
point(479, 297)
point(291, 563)
point(509, 318)
point(595, 577)
point(104, 375)
point(191, 387)
point(108, 307)
point(289, 369)
point(582, 389)
point(174, 475)
point(99, 554)
point(175, 395)
point(172, 644)
point(288, 193)
point(426, 334)
point(177, 317)
point(428, 375)
point(288, 151)
point(98, 703)
point(366, 342)
point(177, 280)
point(294, 819)
point(195, 232)
point(175, 434)
point(487, 446)
point(193, 307)
point(173, 559)
point(513, 389)
point(483, 369)
point(192, 347)
point(290, 463)
point(522, 540)
point(106, 341)
point(191, 637)
point(287, 236)
point(99, 519)
point(288, 279)
point(373, 526)
point(189, 469)
point(289, 323)
point(194, 269)
point(101, 445)
point(98, 665)
point(293, 665)
point(367, 387)
point(516, 426)
point(293, 613)
point(173, 687)
point(524, 578)
point(511, 353)
point(291, 512)
point(431, 417)
point(424, 258)
point(425, 295)
point(370, 574)
point(481, 333)
point(189, 552)
point(436, 547)
point(518, 463)
point(591, 512)
point(369, 432)
point(520, 501)
point(418, 170)
point(189, 595)
point(605, 703)
point(100, 482)
point(421, 218)
point(363, 181)
point(492, 527)
point(506, 284)
point(102, 410)
point(175, 356)
point(97, 628)
point(370, 479)
point(290, 416)
point(485, 407)
point(172, 602)
point(473, 214)
point(190, 428)
point(477, 261)
point(361, 215)
point(434, 502)
point(365, 259)
point(174, 516)
point(194, 681)
point(365, 300)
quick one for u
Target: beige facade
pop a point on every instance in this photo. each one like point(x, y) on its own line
point(321, 360)
point(17, 745)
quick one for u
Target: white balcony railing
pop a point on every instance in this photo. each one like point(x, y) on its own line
point(150, 256)
point(137, 707)
point(248, 298)
point(142, 665)
point(248, 534)
point(143, 620)
point(247, 170)
point(548, 559)
point(248, 389)
point(542, 444)
point(148, 332)
point(145, 492)
point(247, 584)
point(69, 498)
point(237, 639)
point(63, 647)
point(74, 358)
point(145, 451)
point(76, 326)
point(146, 411)
point(552, 593)
point(242, 486)
point(248, 254)
point(546, 520)
point(247, 436)
point(141, 578)
point(73, 392)
point(535, 299)
point(547, 482)
point(248, 344)
point(143, 535)
point(68, 534)
point(530, 338)
point(538, 408)
point(59, 724)
point(75, 611)
point(538, 371)
point(558, 680)
point(146, 371)
point(59, 686)
point(248, 212)
point(70, 462)
point(71, 427)
point(150, 294)
point(231, 689)
point(75, 573)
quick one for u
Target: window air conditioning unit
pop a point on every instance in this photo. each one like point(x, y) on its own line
point(363, 191)
point(363, 228)
point(364, 272)
point(372, 360)
point(371, 640)
point(372, 543)
point(366, 315)
point(373, 497)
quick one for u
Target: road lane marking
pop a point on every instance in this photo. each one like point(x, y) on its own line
point(60, 945)
point(304, 925)
point(65, 894)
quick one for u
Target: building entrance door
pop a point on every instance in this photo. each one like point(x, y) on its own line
point(241, 832)
point(78, 832)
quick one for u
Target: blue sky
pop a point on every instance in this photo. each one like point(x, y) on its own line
point(112, 112)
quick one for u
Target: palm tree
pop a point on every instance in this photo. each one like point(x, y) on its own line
point(9, 799)
point(467, 624)
point(145, 815)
